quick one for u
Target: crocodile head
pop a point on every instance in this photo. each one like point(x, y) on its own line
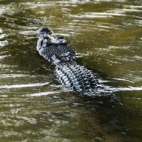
point(42, 32)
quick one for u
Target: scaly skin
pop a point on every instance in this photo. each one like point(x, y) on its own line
point(56, 50)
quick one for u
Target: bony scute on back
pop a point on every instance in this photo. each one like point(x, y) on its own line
point(56, 50)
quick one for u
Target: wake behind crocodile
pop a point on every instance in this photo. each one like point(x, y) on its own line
point(72, 76)
point(101, 91)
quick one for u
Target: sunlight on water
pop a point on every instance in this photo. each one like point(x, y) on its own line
point(130, 88)
point(45, 93)
point(22, 85)
point(96, 15)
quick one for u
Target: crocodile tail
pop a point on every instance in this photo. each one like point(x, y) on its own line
point(76, 77)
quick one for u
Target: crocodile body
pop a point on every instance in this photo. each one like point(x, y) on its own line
point(57, 51)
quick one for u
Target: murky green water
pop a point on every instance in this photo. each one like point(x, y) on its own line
point(107, 35)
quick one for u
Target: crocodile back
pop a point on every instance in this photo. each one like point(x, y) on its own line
point(76, 77)
point(56, 50)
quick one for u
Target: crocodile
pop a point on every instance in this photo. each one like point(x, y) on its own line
point(59, 53)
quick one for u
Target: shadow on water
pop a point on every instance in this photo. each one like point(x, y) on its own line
point(42, 110)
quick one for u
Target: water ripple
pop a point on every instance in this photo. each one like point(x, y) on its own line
point(130, 88)
point(107, 37)
point(95, 15)
point(46, 93)
point(22, 85)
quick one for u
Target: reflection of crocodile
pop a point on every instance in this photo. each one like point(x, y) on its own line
point(57, 51)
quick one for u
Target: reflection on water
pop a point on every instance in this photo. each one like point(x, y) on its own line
point(106, 35)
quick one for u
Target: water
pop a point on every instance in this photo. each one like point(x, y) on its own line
point(106, 34)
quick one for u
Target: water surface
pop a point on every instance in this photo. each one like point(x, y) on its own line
point(106, 34)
